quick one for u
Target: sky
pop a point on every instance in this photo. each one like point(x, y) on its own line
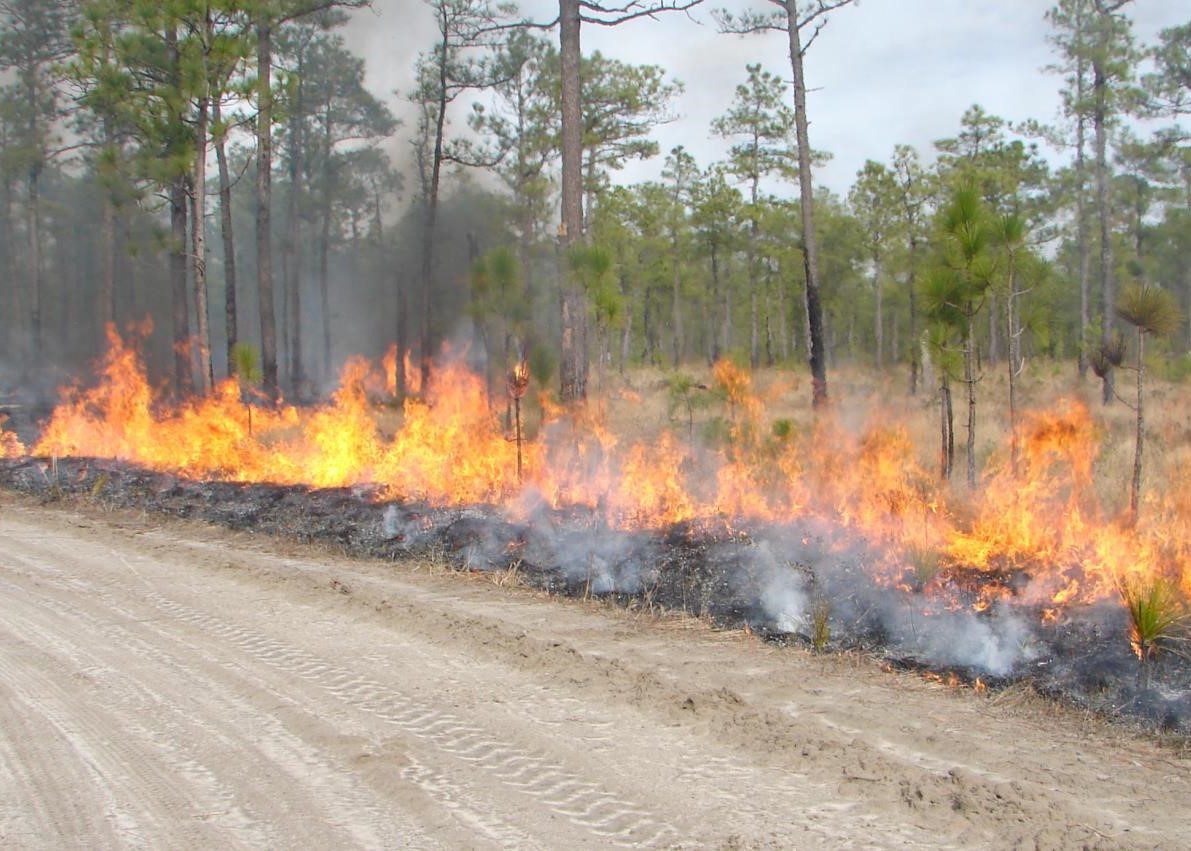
point(883, 72)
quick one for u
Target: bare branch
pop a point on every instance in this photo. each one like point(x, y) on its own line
point(822, 7)
point(818, 29)
point(520, 25)
point(632, 10)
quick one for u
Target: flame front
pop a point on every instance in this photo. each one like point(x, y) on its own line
point(1039, 536)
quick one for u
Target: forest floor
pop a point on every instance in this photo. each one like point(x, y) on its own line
point(171, 684)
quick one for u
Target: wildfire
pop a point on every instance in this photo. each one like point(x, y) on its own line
point(10, 444)
point(1038, 536)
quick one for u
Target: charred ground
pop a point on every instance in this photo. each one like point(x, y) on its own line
point(767, 578)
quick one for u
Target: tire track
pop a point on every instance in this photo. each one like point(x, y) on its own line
point(189, 744)
point(587, 805)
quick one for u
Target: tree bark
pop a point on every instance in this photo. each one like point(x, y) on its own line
point(430, 212)
point(879, 319)
point(293, 235)
point(183, 377)
point(754, 329)
point(324, 250)
point(107, 228)
point(198, 232)
point(402, 336)
point(647, 326)
point(228, 234)
point(783, 325)
point(1014, 346)
point(626, 336)
point(676, 306)
point(947, 426)
point(751, 259)
point(915, 359)
point(770, 356)
point(714, 350)
point(810, 248)
point(264, 201)
point(36, 260)
point(1104, 214)
point(573, 367)
point(1081, 218)
point(16, 307)
point(1135, 490)
point(183, 371)
point(970, 382)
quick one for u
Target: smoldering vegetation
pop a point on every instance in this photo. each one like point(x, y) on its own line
point(799, 583)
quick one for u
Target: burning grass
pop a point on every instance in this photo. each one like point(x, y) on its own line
point(833, 527)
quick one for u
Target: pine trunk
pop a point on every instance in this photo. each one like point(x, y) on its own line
point(324, 251)
point(1081, 227)
point(1104, 214)
point(676, 309)
point(228, 234)
point(573, 367)
point(183, 378)
point(814, 310)
point(107, 235)
point(1014, 339)
point(879, 321)
point(36, 261)
point(264, 201)
point(291, 249)
point(970, 382)
point(198, 233)
point(1135, 490)
point(915, 360)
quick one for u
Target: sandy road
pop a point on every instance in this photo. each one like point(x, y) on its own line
point(172, 685)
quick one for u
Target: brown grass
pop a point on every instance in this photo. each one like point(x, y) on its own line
point(636, 407)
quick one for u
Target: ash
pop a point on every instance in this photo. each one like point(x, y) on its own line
point(773, 579)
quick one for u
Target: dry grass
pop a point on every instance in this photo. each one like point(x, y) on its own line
point(636, 407)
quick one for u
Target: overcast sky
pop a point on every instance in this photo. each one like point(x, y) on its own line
point(883, 72)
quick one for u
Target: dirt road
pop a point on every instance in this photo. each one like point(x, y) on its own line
point(172, 685)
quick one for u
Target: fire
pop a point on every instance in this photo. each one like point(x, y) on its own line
point(1037, 536)
point(10, 444)
point(413, 375)
point(388, 365)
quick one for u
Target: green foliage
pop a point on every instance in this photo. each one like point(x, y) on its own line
point(716, 431)
point(1109, 355)
point(623, 103)
point(964, 265)
point(1178, 369)
point(1150, 309)
point(686, 395)
point(543, 363)
point(591, 267)
point(246, 363)
point(1158, 616)
point(498, 288)
point(764, 125)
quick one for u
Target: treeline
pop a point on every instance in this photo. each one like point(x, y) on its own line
point(220, 166)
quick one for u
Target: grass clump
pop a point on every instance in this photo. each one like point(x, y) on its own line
point(1159, 621)
point(821, 625)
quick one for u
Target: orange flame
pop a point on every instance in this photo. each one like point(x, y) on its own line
point(1043, 523)
point(413, 375)
point(10, 444)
